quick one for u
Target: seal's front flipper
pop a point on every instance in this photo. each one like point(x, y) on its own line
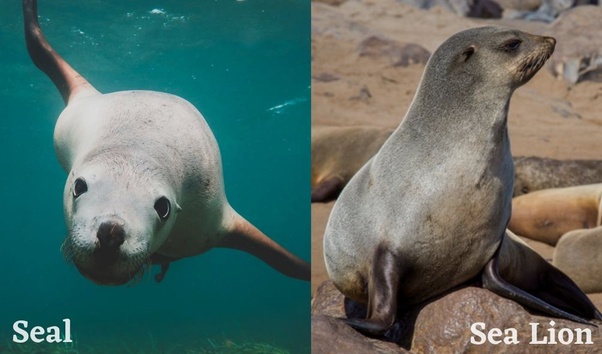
point(164, 262)
point(159, 276)
point(243, 236)
point(383, 286)
point(519, 273)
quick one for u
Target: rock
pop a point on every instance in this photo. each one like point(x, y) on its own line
point(328, 301)
point(398, 54)
point(485, 9)
point(443, 325)
point(519, 5)
point(553, 8)
point(547, 11)
point(363, 95)
point(325, 77)
point(470, 8)
point(331, 336)
point(578, 54)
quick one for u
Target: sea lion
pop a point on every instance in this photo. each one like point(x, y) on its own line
point(579, 255)
point(536, 173)
point(337, 153)
point(548, 214)
point(429, 210)
point(144, 181)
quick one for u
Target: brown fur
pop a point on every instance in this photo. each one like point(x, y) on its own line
point(536, 173)
point(337, 153)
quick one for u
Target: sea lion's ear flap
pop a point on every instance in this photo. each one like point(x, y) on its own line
point(468, 52)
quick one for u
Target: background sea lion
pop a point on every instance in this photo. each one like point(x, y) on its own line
point(144, 178)
point(337, 153)
point(535, 173)
point(430, 209)
point(579, 254)
point(548, 214)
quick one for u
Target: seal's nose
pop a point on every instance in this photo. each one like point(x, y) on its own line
point(110, 236)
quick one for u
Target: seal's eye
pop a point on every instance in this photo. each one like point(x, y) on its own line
point(79, 187)
point(162, 207)
point(512, 45)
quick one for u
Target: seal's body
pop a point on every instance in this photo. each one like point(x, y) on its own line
point(430, 210)
point(144, 178)
point(547, 214)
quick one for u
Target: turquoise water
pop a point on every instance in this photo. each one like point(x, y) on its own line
point(246, 66)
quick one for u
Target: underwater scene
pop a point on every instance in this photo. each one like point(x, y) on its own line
point(245, 65)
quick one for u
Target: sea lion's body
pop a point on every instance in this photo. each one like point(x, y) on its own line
point(579, 255)
point(409, 226)
point(337, 153)
point(430, 210)
point(535, 173)
point(144, 178)
point(547, 214)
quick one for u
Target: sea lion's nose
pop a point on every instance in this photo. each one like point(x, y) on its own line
point(550, 40)
point(110, 236)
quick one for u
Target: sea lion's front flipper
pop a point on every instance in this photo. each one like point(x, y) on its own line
point(383, 287)
point(69, 82)
point(243, 236)
point(519, 273)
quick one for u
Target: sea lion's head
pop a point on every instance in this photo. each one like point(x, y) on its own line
point(489, 61)
point(118, 211)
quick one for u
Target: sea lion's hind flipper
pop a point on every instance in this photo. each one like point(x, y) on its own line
point(536, 284)
point(383, 287)
point(243, 236)
point(562, 292)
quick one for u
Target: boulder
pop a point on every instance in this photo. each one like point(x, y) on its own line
point(398, 54)
point(443, 325)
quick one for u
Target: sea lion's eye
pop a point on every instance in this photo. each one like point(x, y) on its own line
point(525, 190)
point(79, 187)
point(162, 207)
point(512, 45)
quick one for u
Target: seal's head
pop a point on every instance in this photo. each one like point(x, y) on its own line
point(117, 213)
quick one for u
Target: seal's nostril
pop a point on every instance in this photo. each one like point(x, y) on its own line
point(110, 235)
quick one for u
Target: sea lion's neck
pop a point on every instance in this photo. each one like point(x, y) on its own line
point(476, 118)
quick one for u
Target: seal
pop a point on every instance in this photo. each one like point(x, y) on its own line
point(535, 173)
point(429, 211)
point(144, 181)
point(337, 153)
point(546, 215)
point(578, 255)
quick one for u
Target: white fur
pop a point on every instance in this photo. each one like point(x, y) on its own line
point(132, 148)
